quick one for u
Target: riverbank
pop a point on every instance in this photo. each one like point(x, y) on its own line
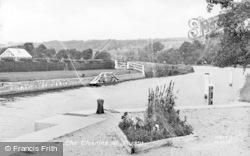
point(245, 91)
point(48, 75)
point(10, 88)
point(221, 132)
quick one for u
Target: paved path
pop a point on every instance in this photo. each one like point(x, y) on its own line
point(55, 127)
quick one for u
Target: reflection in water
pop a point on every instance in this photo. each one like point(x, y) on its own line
point(18, 113)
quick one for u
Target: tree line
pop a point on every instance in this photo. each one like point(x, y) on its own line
point(187, 53)
point(43, 52)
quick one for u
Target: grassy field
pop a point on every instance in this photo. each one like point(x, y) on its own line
point(46, 75)
point(245, 91)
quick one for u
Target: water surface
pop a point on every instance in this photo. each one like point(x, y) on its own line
point(18, 113)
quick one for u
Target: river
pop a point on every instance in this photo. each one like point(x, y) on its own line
point(19, 113)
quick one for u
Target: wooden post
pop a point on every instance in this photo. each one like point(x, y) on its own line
point(100, 109)
point(206, 85)
point(231, 78)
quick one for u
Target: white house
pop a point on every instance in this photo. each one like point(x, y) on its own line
point(16, 54)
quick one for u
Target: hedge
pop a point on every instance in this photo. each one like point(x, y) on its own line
point(161, 70)
point(7, 66)
point(92, 65)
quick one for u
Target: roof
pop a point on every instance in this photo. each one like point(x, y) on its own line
point(16, 52)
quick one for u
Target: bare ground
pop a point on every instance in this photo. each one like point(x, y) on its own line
point(223, 132)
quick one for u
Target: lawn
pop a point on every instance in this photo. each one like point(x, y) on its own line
point(46, 75)
point(245, 91)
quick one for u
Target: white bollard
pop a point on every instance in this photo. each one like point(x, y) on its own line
point(128, 65)
point(231, 78)
point(206, 85)
point(143, 71)
point(116, 64)
point(210, 99)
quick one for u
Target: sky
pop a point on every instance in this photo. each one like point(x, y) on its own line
point(46, 20)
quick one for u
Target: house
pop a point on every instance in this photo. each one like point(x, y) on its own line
point(16, 54)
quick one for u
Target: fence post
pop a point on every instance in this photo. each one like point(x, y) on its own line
point(231, 78)
point(116, 64)
point(143, 71)
point(206, 85)
point(128, 65)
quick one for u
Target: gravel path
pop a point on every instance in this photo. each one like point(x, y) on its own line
point(223, 132)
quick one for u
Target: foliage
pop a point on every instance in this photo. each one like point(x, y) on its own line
point(191, 52)
point(223, 3)
point(88, 65)
point(29, 47)
point(236, 34)
point(87, 54)
point(160, 111)
point(170, 56)
point(102, 55)
point(152, 49)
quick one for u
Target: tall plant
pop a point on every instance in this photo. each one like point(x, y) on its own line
point(161, 102)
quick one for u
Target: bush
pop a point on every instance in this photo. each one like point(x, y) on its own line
point(161, 112)
point(91, 65)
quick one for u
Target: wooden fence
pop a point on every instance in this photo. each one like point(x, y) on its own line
point(130, 65)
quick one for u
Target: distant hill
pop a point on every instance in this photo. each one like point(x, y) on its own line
point(108, 44)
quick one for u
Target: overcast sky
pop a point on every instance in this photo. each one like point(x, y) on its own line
point(45, 20)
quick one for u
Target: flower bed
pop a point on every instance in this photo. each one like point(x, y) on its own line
point(161, 124)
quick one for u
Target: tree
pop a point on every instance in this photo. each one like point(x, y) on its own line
point(102, 55)
point(40, 51)
point(235, 39)
point(87, 54)
point(191, 52)
point(152, 50)
point(170, 56)
point(29, 47)
point(62, 54)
